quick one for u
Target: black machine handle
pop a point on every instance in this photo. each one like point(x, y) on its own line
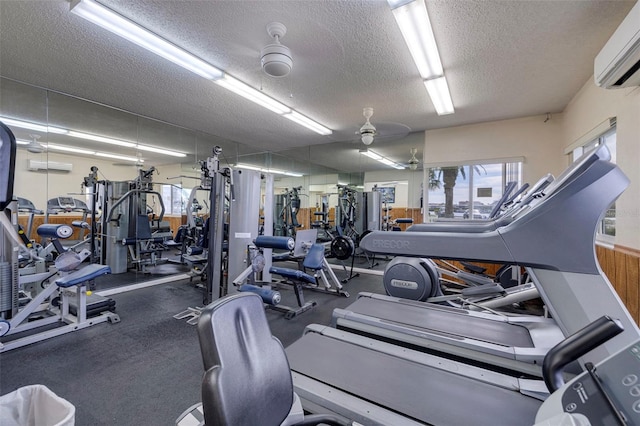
point(575, 346)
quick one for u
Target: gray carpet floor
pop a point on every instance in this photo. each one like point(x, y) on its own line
point(145, 370)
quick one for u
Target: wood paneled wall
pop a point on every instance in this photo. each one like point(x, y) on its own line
point(621, 266)
point(66, 219)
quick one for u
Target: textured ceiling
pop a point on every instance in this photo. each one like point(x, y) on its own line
point(503, 59)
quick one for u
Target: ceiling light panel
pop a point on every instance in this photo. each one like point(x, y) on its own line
point(413, 20)
point(375, 156)
point(239, 88)
point(32, 126)
point(103, 139)
point(267, 170)
point(64, 148)
point(87, 136)
point(439, 94)
point(300, 119)
point(160, 151)
point(414, 23)
point(117, 24)
point(120, 157)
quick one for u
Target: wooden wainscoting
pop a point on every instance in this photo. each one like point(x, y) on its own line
point(68, 218)
point(621, 265)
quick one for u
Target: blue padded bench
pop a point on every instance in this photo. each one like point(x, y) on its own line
point(313, 260)
point(293, 274)
point(87, 273)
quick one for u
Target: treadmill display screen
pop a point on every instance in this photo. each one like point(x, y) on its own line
point(66, 202)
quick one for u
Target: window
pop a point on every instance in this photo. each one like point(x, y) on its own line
point(606, 231)
point(469, 191)
point(175, 199)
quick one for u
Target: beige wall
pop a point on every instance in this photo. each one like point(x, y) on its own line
point(591, 106)
point(529, 137)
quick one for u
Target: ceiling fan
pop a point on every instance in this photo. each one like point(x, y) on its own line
point(368, 131)
point(382, 130)
point(413, 162)
point(35, 146)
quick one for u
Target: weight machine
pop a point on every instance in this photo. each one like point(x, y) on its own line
point(310, 256)
point(233, 224)
point(287, 206)
point(127, 238)
point(52, 309)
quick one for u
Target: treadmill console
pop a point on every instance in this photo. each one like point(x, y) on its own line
point(25, 205)
point(66, 203)
point(607, 394)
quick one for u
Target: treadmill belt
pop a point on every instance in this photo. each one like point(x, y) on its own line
point(457, 324)
point(417, 391)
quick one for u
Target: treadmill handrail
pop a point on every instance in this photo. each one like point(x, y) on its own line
point(485, 225)
point(575, 346)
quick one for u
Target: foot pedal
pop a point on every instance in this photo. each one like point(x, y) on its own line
point(193, 315)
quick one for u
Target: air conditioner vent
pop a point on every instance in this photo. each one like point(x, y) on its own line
point(36, 165)
point(618, 63)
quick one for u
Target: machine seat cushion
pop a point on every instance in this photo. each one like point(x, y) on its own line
point(293, 274)
point(315, 257)
point(82, 275)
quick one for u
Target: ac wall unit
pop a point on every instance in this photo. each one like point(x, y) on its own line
point(35, 165)
point(618, 63)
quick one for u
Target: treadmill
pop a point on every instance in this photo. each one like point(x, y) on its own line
point(370, 381)
point(516, 344)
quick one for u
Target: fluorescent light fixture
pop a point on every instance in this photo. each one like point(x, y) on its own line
point(414, 23)
point(64, 148)
point(381, 159)
point(300, 119)
point(119, 157)
point(160, 150)
point(267, 170)
point(32, 126)
point(102, 139)
point(254, 95)
point(81, 135)
point(439, 94)
point(371, 154)
point(22, 142)
point(108, 19)
point(126, 144)
point(413, 20)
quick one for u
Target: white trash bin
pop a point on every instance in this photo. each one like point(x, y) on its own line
point(35, 405)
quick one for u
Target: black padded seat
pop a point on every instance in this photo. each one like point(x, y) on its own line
point(247, 380)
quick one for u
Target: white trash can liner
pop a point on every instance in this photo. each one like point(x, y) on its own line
point(36, 405)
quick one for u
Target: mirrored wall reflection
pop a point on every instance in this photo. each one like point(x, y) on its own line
point(124, 184)
point(136, 182)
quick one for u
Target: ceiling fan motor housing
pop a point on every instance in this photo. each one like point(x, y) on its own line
point(276, 58)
